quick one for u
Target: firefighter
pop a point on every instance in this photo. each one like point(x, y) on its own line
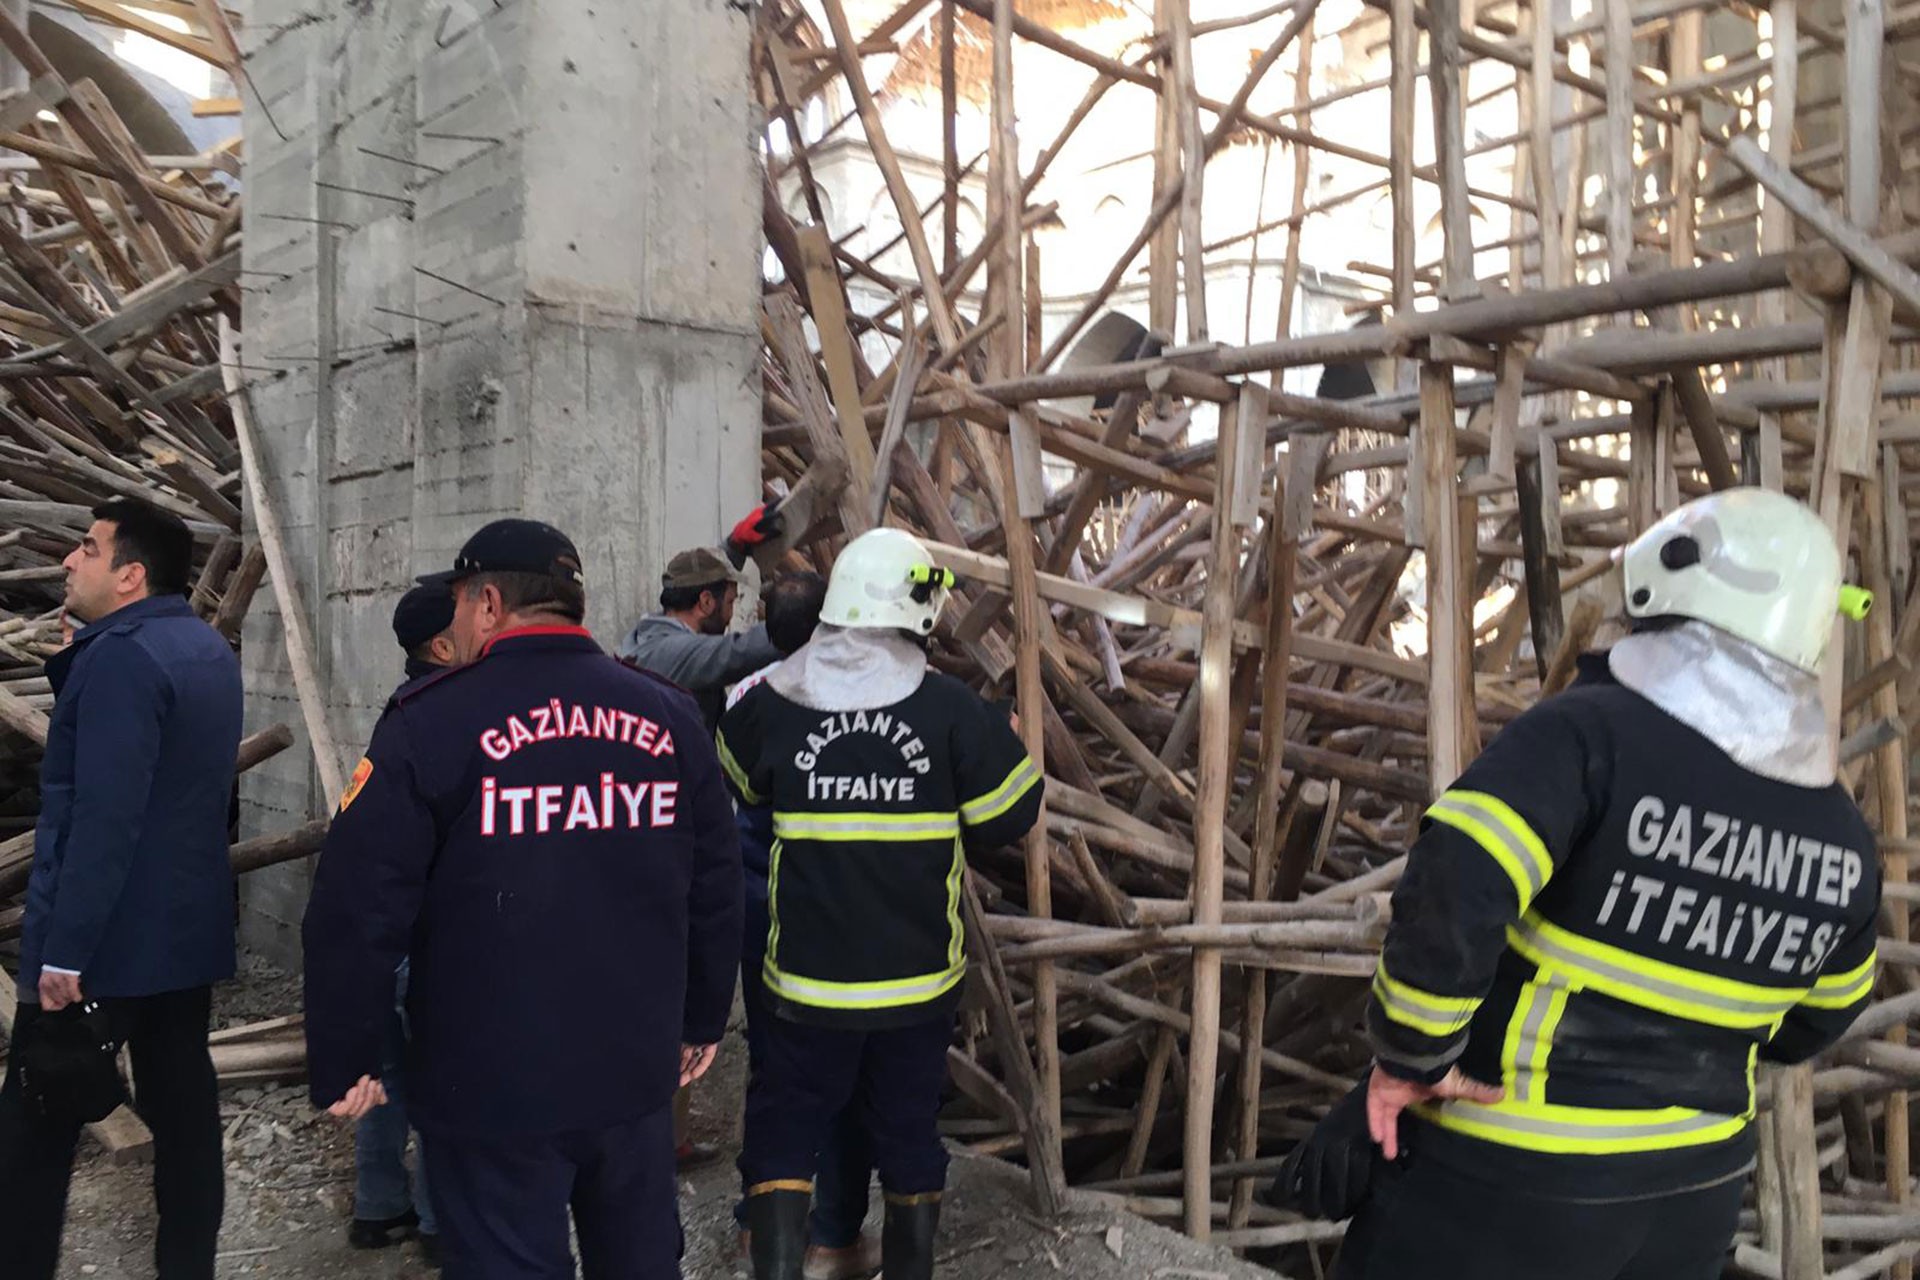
point(1644, 886)
point(546, 832)
point(880, 774)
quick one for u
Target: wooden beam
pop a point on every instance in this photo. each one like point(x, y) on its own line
point(1898, 279)
point(1216, 767)
point(293, 609)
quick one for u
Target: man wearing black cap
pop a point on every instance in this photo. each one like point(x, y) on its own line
point(387, 1204)
point(544, 830)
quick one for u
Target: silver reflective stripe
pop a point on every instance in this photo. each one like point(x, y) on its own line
point(1539, 1126)
point(1420, 1061)
point(1582, 963)
point(1526, 1081)
point(1516, 849)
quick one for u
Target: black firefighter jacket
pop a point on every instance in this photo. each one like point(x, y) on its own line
point(1615, 922)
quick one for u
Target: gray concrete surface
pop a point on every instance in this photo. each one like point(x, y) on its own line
point(503, 258)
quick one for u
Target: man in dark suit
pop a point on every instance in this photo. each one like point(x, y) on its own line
point(130, 905)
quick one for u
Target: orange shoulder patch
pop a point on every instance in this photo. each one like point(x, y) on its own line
point(361, 772)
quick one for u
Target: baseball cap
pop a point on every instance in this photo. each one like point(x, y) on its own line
point(513, 546)
point(423, 613)
point(700, 567)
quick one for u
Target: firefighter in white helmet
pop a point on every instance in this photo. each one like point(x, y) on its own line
point(1644, 886)
point(881, 774)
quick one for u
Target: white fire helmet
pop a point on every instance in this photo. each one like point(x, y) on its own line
point(885, 578)
point(1754, 563)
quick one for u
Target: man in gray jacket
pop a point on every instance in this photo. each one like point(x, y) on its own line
point(687, 642)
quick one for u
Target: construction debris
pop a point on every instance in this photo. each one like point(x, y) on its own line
point(1250, 655)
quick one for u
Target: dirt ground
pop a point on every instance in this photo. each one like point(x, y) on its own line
point(290, 1193)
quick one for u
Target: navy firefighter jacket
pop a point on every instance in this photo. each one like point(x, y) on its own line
point(546, 834)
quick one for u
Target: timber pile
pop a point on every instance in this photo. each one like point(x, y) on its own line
point(114, 274)
point(1244, 682)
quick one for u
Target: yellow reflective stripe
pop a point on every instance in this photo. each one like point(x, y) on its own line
point(1529, 1041)
point(886, 994)
point(773, 898)
point(1003, 797)
point(1425, 1012)
point(1545, 1126)
point(735, 773)
point(1503, 834)
point(866, 826)
point(1651, 984)
point(1838, 990)
point(956, 935)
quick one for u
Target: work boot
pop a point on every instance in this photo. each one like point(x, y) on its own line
point(856, 1261)
point(906, 1243)
point(777, 1230)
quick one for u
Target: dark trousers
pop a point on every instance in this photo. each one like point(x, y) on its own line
point(175, 1093)
point(502, 1205)
point(845, 1161)
point(1427, 1219)
point(382, 1189)
point(892, 1079)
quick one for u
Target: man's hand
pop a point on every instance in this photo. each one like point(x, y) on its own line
point(58, 990)
point(1388, 1095)
point(360, 1099)
point(694, 1061)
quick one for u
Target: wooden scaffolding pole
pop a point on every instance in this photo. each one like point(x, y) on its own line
point(1007, 284)
point(1210, 805)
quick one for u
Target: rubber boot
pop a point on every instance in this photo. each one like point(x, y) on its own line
point(777, 1232)
point(906, 1243)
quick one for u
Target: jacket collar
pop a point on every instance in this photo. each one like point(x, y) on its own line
point(60, 665)
point(541, 637)
point(169, 606)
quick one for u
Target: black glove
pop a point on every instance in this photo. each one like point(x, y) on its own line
point(1329, 1175)
point(69, 1064)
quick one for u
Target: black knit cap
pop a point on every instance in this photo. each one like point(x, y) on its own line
point(423, 613)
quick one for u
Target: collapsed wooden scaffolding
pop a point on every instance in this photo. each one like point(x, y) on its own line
point(1245, 682)
point(118, 276)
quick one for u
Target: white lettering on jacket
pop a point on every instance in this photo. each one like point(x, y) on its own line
point(556, 721)
point(605, 805)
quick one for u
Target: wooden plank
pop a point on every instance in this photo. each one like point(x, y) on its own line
point(206, 107)
point(1216, 767)
point(836, 353)
point(1268, 833)
point(159, 302)
point(1249, 456)
point(293, 610)
point(1181, 96)
point(939, 311)
point(1697, 406)
point(1800, 1254)
point(1538, 490)
point(1007, 284)
point(1403, 43)
point(1445, 80)
point(1449, 635)
point(1619, 145)
point(130, 18)
point(1139, 611)
point(1894, 276)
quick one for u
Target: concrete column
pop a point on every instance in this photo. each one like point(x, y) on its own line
point(508, 264)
